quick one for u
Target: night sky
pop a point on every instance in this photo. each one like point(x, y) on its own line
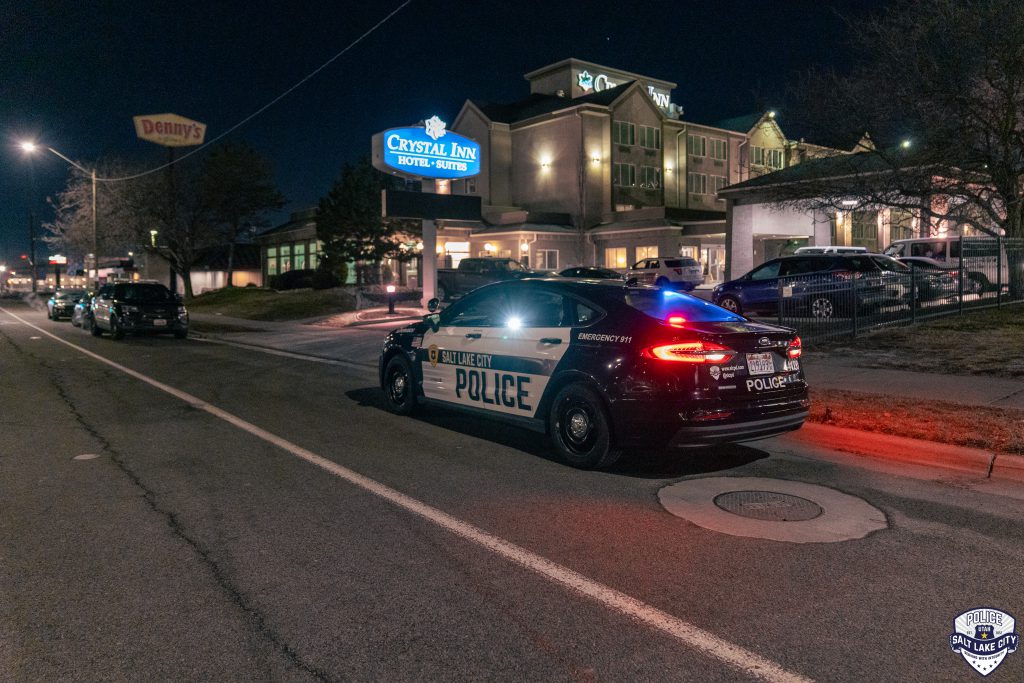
point(72, 74)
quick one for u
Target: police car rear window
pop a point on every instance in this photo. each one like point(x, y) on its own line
point(662, 303)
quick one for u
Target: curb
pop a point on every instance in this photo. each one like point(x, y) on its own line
point(899, 448)
point(377, 321)
point(976, 461)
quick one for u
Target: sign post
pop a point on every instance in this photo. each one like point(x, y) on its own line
point(427, 151)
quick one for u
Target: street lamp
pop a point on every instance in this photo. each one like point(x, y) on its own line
point(30, 148)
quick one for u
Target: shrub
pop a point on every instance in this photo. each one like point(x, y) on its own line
point(293, 279)
point(324, 279)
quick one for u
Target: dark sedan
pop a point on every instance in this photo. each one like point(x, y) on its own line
point(816, 285)
point(592, 273)
point(135, 307)
point(600, 367)
point(62, 303)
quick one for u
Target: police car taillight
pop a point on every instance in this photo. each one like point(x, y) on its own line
point(795, 348)
point(691, 352)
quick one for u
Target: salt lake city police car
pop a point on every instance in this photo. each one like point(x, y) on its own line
point(600, 367)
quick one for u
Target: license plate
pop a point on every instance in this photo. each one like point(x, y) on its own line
point(760, 364)
point(159, 321)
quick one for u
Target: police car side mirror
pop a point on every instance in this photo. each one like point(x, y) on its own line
point(433, 304)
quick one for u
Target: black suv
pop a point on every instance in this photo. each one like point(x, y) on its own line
point(819, 285)
point(138, 307)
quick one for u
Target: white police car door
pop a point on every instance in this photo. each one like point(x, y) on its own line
point(497, 353)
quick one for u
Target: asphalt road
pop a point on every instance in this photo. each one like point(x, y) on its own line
point(257, 517)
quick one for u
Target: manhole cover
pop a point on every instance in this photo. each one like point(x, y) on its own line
point(768, 506)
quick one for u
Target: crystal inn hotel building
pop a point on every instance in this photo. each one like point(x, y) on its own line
point(598, 166)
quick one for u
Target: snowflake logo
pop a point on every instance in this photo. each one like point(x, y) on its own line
point(435, 127)
point(586, 81)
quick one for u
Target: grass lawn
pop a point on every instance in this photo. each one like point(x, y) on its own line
point(987, 342)
point(266, 304)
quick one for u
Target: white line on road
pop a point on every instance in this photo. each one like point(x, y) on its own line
point(690, 635)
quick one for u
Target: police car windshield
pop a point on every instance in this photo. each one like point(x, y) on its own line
point(662, 303)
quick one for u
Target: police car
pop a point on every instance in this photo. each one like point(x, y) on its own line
point(601, 367)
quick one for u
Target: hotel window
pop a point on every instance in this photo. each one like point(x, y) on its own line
point(697, 182)
point(623, 133)
point(286, 257)
point(470, 185)
point(772, 158)
point(650, 177)
point(864, 229)
point(624, 175)
point(646, 252)
point(271, 260)
point(615, 257)
point(300, 256)
point(718, 149)
point(314, 259)
point(547, 259)
point(697, 145)
point(717, 183)
point(650, 137)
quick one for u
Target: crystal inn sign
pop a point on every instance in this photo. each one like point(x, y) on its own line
point(428, 151)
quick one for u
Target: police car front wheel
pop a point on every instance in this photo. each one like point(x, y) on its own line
point(579, 428)
point(398, 386)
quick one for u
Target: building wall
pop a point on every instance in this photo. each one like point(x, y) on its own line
point(754, 221)
point(472, 125)
point(766, 135)
point(636, 108)
point(545, 163)
point(209, 280)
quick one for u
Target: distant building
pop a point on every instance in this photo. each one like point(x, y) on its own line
point(599, 166)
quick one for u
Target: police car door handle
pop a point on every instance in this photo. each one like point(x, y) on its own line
point(472, 335)
point(550, 340)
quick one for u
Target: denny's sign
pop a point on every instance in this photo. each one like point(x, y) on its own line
point(169, 130)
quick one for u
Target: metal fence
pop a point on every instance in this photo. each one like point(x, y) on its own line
point(988, 273)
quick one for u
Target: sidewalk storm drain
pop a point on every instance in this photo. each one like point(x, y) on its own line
point(773, 509)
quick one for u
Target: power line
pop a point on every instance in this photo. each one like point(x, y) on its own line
point(268, 105)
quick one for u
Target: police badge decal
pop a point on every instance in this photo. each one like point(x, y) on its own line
point(984, 636)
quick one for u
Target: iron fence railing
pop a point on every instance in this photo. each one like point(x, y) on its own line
point(989, 272)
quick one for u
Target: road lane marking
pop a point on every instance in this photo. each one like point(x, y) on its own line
point(688, 634)
point(290, 354)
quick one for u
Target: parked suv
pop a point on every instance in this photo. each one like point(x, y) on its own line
point(677, 272)
point(138, 307)
point(820, 285)
point(62, 303)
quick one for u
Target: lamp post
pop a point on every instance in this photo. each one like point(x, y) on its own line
point(31, 147)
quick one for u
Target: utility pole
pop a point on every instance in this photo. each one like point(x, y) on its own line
point(32, 248)
point(95, 240)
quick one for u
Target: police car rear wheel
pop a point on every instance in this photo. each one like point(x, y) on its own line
point(398, 387)
point(579, 428)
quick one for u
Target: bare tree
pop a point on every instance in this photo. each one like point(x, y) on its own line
point(940, 86)
point(239, 189)
point(71, 231)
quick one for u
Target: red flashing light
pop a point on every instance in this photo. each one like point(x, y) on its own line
point(691, 352)
point(795, 348)
point(24, 257)
point(676, 320)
